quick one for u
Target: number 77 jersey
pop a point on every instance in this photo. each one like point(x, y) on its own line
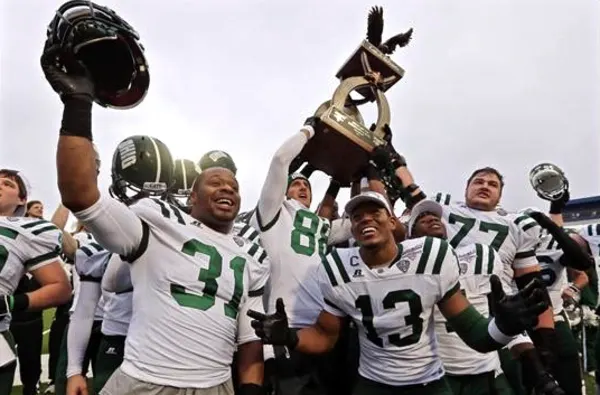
point(514, 236)
point(393, 307)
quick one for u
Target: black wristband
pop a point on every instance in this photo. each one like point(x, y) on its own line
point(557, 207)
point(293, 339)
point(333, 189)
point(77, 118)
point(20, 303)
point(411, 188)
point(412, 200)
point(250, 389)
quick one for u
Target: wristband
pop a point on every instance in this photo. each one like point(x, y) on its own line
point(77, 118)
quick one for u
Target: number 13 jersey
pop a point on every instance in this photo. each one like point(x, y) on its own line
point(393, 307)
point(191, 286)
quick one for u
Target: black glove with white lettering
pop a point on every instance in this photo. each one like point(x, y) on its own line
point(517, 313)
point(274, 328)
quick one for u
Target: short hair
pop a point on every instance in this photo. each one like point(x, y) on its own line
point(487, 170)
point(14, 175)
point(31, 203)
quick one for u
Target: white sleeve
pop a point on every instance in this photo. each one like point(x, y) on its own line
point(272, 194)
point(80, 326)
point(246, 333)
point(329, 295)
point(340, 231)
point(113, 225)
point(117, 277)
point(450, 270)
point(519, 339)
point(528, 238)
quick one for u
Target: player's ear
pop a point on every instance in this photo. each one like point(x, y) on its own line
point(393, 221)
point(193, 198)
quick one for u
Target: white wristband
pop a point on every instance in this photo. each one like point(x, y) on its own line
point(496, 334)
point(308, 129)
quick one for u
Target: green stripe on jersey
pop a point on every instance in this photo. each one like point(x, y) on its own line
point(329, 272)
point(40, 258)
point(530, 225)
point(491, 256)
point(437, 266)
point(478, 258)
point(44, 229)
point(425, 255)
point(34, 224)
point(86, 250)
point(520, 219)
point(340, 266)
point(253, 250)
point(8, 232)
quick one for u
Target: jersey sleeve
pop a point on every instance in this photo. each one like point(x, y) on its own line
point(340, 231)
point(325, 277)
point(443, 198)
point(591, 234)
point(115, 226)
point(273, 191)
point(43, 244)
point(90, 262)
point(528, 234)
point(450, 270)
point(246, 333)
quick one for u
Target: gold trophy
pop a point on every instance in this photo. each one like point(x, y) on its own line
point(342, 143)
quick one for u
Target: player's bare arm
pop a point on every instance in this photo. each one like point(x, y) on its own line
point(55, 288)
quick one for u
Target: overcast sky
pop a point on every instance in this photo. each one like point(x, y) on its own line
point(506, 83)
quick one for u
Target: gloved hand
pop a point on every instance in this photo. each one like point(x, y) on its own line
point(75, 84)
point(517, 313)
point(274, 328)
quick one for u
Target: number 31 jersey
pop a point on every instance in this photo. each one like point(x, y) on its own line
point(393, 307)
point(191, 286)
point(514, 236)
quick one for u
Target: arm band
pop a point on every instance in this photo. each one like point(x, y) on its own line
point(333, 189)
point(477, 332)
point(20, 302)
point(77, 118)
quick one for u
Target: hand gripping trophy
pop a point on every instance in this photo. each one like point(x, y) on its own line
point(342, 143)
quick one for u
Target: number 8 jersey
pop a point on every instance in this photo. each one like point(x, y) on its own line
point(393, 307)
point(191, 288)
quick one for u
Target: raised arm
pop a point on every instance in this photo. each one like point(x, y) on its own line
point(273, 191)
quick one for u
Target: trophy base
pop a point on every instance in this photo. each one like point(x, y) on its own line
point(341, 146)
point(378, 62)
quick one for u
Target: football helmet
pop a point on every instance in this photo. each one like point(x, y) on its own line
point(217, 158)
point(142, 166)
point(107, 46)
point(184, 176)
point(548, 181)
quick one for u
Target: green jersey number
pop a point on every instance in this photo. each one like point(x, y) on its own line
point(413, 319)
point(305, 240)
point(209, 277)
point(486, 227)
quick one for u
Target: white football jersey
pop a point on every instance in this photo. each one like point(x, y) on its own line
point(117, 308)
point(553, 272)
point(393, 307)
point(90, 263)
point(477, 263)
point(26, 244)
point(514, 236)
point(295, 240)
point(591, 234)
point(190, 284)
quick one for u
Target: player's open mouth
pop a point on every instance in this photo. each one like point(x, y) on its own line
point(368, 231)
point(303, 196)
point(483, 194)
point(224, 202)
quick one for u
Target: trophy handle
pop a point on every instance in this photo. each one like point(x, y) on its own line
point(351, 84)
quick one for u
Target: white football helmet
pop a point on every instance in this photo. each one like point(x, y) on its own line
point(548, 181)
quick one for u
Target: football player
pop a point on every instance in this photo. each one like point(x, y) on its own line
point(478, 220)
point(295, 239)
point(193, 281)
point(390, 291)
point(26, 245)
point(468, 371)
point(91, 262)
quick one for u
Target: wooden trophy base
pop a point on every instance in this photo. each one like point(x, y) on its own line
point(341, 146)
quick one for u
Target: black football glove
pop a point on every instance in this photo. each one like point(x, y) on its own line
point(75, 84)
point(313, 121)
point(557, 206)
point(385, 156)
point(273, 328)
point(517, 313)
point(547, 385)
